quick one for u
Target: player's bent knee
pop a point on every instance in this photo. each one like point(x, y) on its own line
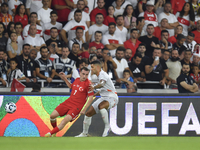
point(104, 104)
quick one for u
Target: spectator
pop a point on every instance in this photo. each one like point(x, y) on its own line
point(149, 16)
point(124, 3)
point(10, 28)
point(197, 33)
point(128, 55)
point(14, 48)
point(64, 64)
point(178, 30)
point(76, 72)
point(110, 18)
point(142, 49)
point(12, 4)
point(172, 20)
point(21, 15)
point(33, 19)
point(99, 26)
point(14, 73)
point(133, 42)
point(164, 44)
point(3, 39)
point(52, 51)
point(74, 53)
point(177, 6)
point(78, 39)
point(70, 27)
point(189, 42)
point(166, 55)
point(93, 50)
point(63, 8)
point(97, 40)
point(3, 69)
point(120, 61)
point(110, 40)
point(85, 51)
point(5, 17)
point(196, 57)
point(121, 31)
point(44, 67)
point(159, 7)
point(33, 6)
point(36, 88)
point(118, 9)
point(99, 54)
point(99, 9)
point(127, 79)
point(129, 16)
point(92, 58)
point(187, 56)
point(195, 74)
point(154, 69)
point(131, 88)
point(150, 41)
point(142, 6)
point(53, 24)
point(137, 68)
point(33, 53)
point(159, 29)
point(140, 25)
point(186, 18)
point(195, 5)
point(186, 84)
point(85, 16)
point(34, 40)
point(180, 39)
point(26, 65)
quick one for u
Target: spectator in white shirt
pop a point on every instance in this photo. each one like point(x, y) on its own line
point(172, 20)
point(33, 20)
point(99, 26)
point(121, 31)
point(44, 13)
point(189, 42)
point(78, 38)
point(33, 6)
point(12, 4)
point(85, 16)
point(35, 41)
point(70, 27)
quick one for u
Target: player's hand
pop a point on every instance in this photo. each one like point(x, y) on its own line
point(27, 80)
point(91, 87)
point(162, 82)
point(62, 75)
point(49, 79)
point(82, 112)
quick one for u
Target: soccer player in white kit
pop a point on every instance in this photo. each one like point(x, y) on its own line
point(108, 100)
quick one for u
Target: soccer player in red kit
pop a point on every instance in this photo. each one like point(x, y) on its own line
point(73, 105)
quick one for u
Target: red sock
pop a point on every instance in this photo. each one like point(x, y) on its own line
point(54, 124)
point(55, 130)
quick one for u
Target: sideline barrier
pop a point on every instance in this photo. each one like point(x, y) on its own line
point(136, 114)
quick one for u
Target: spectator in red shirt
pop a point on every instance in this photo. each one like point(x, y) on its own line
point(197, 32)
point(63, 8)
point(178, 30)
point(99, 9)
point(177, 5)
point(133, 42)
point(110, 18)
point(97, 42)
point(21, 16)
point(85, 51)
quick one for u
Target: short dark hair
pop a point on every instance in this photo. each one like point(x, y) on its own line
point(85, 68)
point(112, 24)
point(33, 13)
point(134, 29)
point(83, 60)
point(78, 11)
point(14, 59)
point(4, 4)
point(180, 36)
point(36, 87)
point(79, 28)
point(18, 23)
point(1, 50)
point(96, 62)
point(53, 12)
point(99, 14)
point(126, 71)
point(142, 44)
point(139, 19)
point(85, 45)
point(120, 48)
point(150, 24)
point(26, 45)
point(137, 55)
point(104, 49)
point(53, 28)
point(76, 44)
point(92, 56)
point(167, 3)
point(98, 32)
point(164, 31)
point(191, 34)
point(186, 64)
point(43, 47)
point(157, 49)
point(119, 16)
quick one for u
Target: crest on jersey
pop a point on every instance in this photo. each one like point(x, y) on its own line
point(81, 89)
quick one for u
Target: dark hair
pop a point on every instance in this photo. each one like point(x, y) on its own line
point(191, 34)
point(53, 28)
point(125, 13)
point(142, 44)
point(4, 27)
point(18, 23)
point(186, 64)
point(104, 49)
point(111, 23)
point(85, 68)
point(195, 66)
point(120, 48)
point(99, 14)
point(2, 5)
point(164, 31)
point(92, 56)
point(139, 19)
point(96, 62)
point(83, 60)
point(167, 3)
point(18, 8)
point(76, 44)
point(43, 47)
point(134, 29)
point(36, 87)
point(53, 12)
point(26, 45)
point(150, 24)
point(78, 11)
point(191, 12)
point(85, 45)
point(166, 50)
point(137, 55)
point(13, 59)
point(1, 50)
point(12, 33)
point(188, 50)
point(112, 7)
point(119, 16)
point(79, 28)
point(125, 70)
point(8, 27)
point(157, 49)
point(33, 13)
point(98, 32)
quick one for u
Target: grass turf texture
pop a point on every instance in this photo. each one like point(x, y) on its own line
point(99, 143)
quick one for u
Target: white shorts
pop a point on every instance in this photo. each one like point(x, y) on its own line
point(112, 103)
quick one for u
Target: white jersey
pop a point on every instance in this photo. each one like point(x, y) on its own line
point(118, 12)
point(171, 19)
point(39, 32)
point(108, 90)
point(185, 22)
point(44, 15)
point(14, 74)
point(121, 33)
point(108, 39)
point(94, 28)
point(12, 4)
point(33, 5)
point(71, 26)
point(190, 45)
point(124, 4)
point(46, 29)
point(85, 16)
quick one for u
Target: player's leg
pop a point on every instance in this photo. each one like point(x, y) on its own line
point(53, 117)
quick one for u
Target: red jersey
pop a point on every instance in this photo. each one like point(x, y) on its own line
point(172, 39)
point(80, 92)
point(95, 11)
point(197, 36)
point(157, 32)
point(108, 20)
point(129, 45)
point(196, 78)
point(98, 46)
point(177, 5)
point(84, 55)
point(23, 20)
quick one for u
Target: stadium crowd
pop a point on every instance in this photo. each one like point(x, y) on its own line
point(140, 43)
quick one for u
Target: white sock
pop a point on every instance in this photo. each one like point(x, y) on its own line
point(86, 124)
point(104, 115)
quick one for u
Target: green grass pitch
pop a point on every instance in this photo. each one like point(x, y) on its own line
point(99, 143)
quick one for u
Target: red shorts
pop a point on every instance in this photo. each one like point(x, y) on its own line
point(65, 108)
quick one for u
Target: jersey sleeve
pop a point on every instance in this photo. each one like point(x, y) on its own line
point(25, 31)
point(92, 16)
point(67, 27)
point(180, 79)
point(19, 74)
point(105, 40)
point(102, 76)
point(11, 5)
point(28, 3)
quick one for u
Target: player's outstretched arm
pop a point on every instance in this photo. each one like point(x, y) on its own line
point(63, 77)
point(89, 102)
